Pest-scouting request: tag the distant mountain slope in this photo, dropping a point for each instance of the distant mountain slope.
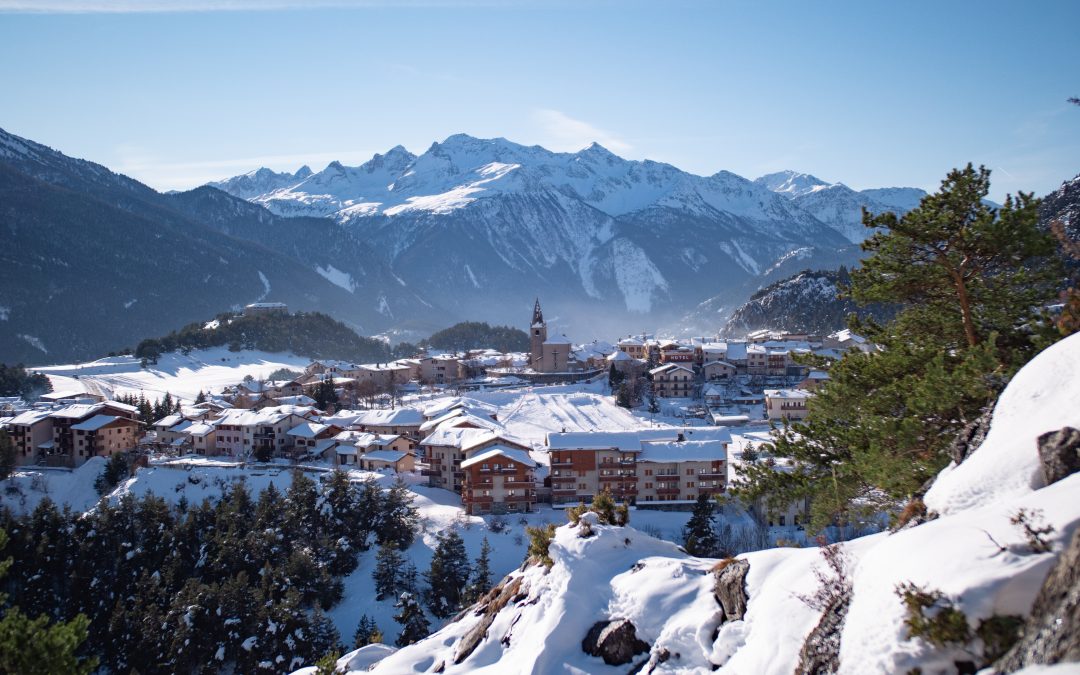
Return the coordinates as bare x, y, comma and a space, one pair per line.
807, 302
94, 259
837, 205
606, 240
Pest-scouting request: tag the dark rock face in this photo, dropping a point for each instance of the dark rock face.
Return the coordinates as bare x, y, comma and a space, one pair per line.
1052, 632
488, 607
820, 653
1059, 454
730, 589
972, 436
615, 641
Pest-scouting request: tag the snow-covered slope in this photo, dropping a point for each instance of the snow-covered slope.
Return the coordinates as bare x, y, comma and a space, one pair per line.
837, 205
590, 230
537, 620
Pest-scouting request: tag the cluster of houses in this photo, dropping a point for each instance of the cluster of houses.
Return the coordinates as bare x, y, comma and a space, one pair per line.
66, 430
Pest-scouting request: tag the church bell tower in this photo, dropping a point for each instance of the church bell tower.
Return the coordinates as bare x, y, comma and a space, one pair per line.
537, 337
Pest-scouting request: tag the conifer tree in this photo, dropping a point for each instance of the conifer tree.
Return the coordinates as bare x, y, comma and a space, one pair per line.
700, 532
414, 625
969, 281
36, 646
389, 567
448, 575
481, 575
367, 632
399, 519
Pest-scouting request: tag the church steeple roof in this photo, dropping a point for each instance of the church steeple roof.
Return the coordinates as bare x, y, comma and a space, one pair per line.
538, 314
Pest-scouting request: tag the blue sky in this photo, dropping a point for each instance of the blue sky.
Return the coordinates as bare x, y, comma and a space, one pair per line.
867, 93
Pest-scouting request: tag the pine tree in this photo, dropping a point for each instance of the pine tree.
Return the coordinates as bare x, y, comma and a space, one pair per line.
481, 576
414, 625
36, 646
969, 281
201, 398
700, 532
388, 569
448, 575
115, 471
367, 632
399, 519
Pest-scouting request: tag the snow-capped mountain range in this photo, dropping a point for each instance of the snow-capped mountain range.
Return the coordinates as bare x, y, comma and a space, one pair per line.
479, 224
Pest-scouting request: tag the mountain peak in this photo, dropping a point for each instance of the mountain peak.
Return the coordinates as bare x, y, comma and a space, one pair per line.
792, 183
303, 172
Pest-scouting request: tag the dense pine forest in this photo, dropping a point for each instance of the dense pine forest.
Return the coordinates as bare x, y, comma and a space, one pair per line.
237, 583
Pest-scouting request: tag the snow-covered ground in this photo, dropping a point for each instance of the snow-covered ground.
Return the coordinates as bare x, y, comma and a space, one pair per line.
175, 373
624, 573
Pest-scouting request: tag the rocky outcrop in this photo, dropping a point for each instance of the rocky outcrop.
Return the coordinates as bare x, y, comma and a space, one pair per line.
1059, 454
615, 641
1052, 632
820, 653
487, 608
730, 588
971, 436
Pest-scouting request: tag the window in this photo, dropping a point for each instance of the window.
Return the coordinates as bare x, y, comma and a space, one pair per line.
648, 472
689, 472
690, 484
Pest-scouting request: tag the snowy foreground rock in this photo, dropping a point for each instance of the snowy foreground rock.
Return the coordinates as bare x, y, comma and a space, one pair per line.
537, 619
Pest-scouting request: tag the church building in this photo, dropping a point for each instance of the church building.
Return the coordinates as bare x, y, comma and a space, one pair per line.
547, 355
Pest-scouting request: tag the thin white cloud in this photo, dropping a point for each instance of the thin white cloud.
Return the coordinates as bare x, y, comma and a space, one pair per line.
145, 166
161, 6
563, 133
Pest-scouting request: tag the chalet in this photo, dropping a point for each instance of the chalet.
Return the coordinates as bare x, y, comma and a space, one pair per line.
397, 461
625, 364
241, 433
498, 479
403, 421
312, 438
672, 380
348, 447
634, 347
202, 438
786, 404
445, 448
719, 370
813, 380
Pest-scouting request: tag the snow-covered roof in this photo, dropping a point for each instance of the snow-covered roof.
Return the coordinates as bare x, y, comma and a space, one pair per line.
620, 356
389, 456
487, 454
669, 368
558, 340
168, 421
475, 440
29, 417
453, 436
684, 451
724, 364
634, 440
307, 430
788, 393
395, 417
299, 400
199, 429
96, 422
736, 351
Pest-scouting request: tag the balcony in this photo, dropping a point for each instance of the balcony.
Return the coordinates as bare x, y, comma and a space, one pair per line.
479, 500
522, 483
518, 499
667, 490
564, 491
564, 479
713, 475
711, 490
430, 472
